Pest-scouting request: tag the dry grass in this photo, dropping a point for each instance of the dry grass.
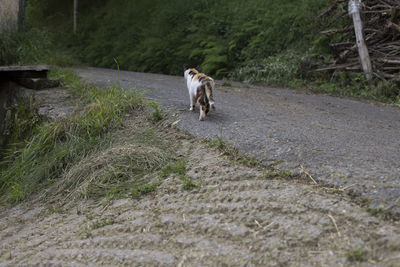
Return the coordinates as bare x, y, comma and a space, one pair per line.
114, 170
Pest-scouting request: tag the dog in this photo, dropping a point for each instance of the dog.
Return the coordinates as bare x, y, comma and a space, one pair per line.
201, 89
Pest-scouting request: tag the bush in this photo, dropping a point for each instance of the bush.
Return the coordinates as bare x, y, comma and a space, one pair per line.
33, 46
164, 35
282, 69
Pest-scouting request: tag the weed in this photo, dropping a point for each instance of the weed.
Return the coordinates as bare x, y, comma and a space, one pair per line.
334, 190
20, 122
56, 209
357, 254
102, 223
379, 211
218, 143
188, 183
178, 167
226, 149
113, 193
142, 189
279, 174
249, 161
158, 113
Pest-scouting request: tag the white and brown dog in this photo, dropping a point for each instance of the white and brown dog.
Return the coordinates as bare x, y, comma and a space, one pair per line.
200, 88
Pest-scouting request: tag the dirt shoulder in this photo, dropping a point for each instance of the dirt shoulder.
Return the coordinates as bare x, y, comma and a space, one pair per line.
343, 143
238, 216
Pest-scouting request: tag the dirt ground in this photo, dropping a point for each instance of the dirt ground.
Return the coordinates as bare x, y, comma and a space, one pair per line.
239, 216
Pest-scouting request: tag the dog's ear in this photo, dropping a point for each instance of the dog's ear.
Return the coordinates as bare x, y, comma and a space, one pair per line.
185, 67
197, 67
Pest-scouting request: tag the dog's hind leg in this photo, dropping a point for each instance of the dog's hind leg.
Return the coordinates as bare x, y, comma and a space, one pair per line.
202, 113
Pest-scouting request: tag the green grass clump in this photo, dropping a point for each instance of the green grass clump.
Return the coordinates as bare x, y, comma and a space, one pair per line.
379, 211
281, 70
179, 168
56, 146
144, 188
356, 255
158, 113
101, 223
21, 119
187, 182
278, 174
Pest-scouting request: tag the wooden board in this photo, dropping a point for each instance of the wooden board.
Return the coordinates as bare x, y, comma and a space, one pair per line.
17, 72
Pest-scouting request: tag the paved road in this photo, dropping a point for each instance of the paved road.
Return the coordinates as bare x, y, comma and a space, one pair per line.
342, 142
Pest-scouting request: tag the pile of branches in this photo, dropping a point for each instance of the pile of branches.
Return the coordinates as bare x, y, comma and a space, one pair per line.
381, 20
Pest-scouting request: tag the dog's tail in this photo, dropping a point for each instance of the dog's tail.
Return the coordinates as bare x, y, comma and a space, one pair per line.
209, 86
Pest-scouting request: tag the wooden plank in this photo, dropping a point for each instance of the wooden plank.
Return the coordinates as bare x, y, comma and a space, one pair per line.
24, 68
13, 75
18, 72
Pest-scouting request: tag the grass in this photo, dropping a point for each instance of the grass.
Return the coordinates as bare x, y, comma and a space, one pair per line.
279, 174
380, 211
21, 120
56, 146
232, 153
141, 189
158, 113
357, 254
101, 223
179, 168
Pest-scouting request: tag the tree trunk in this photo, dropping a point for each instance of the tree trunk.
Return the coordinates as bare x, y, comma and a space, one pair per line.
75, 15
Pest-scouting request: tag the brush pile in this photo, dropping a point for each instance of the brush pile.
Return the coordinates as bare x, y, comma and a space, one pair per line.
381, 20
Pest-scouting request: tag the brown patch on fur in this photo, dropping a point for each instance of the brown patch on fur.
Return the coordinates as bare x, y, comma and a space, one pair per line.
202, 98
193, 71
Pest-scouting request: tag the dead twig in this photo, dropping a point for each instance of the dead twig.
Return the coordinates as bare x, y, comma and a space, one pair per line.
334, 223
308, 174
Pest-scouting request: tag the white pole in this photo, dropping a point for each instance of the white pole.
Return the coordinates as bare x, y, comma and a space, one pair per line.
354, 11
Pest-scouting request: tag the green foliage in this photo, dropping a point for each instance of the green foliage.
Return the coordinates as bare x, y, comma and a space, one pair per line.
356, 85
20, 121
158, 113
273, 174
33, 46
101, 223
356, 255
379, 211
143, 189
280, 69
179, 168
268, 41
57, 145
187, 182
161, 36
